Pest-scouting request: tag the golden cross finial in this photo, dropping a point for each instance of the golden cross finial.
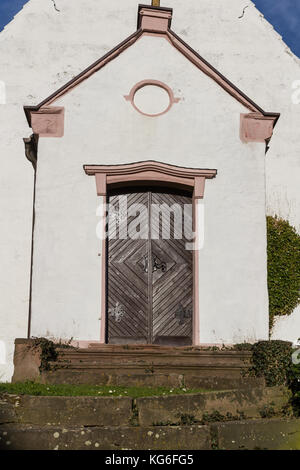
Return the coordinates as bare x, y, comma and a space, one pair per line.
156, 3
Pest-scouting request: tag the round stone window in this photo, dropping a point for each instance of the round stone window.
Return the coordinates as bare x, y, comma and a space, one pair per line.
151, 98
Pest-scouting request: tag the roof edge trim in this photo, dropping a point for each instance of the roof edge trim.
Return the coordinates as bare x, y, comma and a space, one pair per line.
95, 66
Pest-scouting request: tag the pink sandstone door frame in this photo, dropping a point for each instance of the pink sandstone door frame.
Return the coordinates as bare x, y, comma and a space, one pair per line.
111, 176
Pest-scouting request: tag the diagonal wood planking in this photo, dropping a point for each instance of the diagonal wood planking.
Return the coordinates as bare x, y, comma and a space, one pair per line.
173, 290
127, 288
144, 306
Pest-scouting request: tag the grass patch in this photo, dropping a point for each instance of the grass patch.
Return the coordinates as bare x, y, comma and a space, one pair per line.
36, 389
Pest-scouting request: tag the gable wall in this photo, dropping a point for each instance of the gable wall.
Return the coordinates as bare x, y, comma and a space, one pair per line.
50, 47
200, 131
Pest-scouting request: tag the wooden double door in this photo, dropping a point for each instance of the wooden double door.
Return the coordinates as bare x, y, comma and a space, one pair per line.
149, 268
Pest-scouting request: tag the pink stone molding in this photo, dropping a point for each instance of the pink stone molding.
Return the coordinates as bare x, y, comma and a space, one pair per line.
196, 309
84, 75
144, 173
101, 185
157, 83
156, 21
48, 122
255, 127
199, 187
103, 275
150, 172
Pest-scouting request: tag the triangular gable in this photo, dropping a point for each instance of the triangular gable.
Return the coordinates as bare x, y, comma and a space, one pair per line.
255, 126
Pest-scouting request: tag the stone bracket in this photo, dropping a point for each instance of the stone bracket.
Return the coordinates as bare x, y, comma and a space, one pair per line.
48, 121
255, 127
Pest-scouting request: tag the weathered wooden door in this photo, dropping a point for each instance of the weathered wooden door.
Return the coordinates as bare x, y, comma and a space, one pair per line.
149, 269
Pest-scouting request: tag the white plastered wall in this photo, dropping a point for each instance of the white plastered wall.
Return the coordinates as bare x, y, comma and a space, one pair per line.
202, 131
41, 49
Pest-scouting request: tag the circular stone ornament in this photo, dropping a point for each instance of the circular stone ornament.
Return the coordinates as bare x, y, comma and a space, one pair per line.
151, 98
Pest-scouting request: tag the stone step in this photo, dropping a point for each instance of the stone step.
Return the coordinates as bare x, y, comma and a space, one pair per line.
148, 411
192, 380
202, 369
249, 402
133, 367
25, 437
208, 363
57, 410
146, 364
160, 354
156, 348
105, 363
150, 423
264, 434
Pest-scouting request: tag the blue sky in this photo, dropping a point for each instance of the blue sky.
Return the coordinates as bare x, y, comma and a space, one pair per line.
8, 9
284, 15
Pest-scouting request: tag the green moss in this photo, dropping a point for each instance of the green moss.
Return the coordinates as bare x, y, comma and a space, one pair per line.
294, 384
32, 388
271, 360
187, 419
207, 418
242, 347
48, 350
283, 267
216, 416
134, 420
267, 411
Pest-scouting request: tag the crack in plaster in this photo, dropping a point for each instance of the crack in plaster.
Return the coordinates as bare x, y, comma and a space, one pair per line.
243, 14
54, 4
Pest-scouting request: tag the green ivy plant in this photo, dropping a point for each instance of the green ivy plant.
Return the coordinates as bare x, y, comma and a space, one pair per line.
48, 350
271, 360
294, 385
283, 267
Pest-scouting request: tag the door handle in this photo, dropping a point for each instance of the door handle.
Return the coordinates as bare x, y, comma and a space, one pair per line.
156, 264
145, 264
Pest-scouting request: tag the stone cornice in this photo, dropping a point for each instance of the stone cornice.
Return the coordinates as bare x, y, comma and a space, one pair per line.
150, 172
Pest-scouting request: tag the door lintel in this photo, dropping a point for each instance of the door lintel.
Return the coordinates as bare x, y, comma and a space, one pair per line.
150, 171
